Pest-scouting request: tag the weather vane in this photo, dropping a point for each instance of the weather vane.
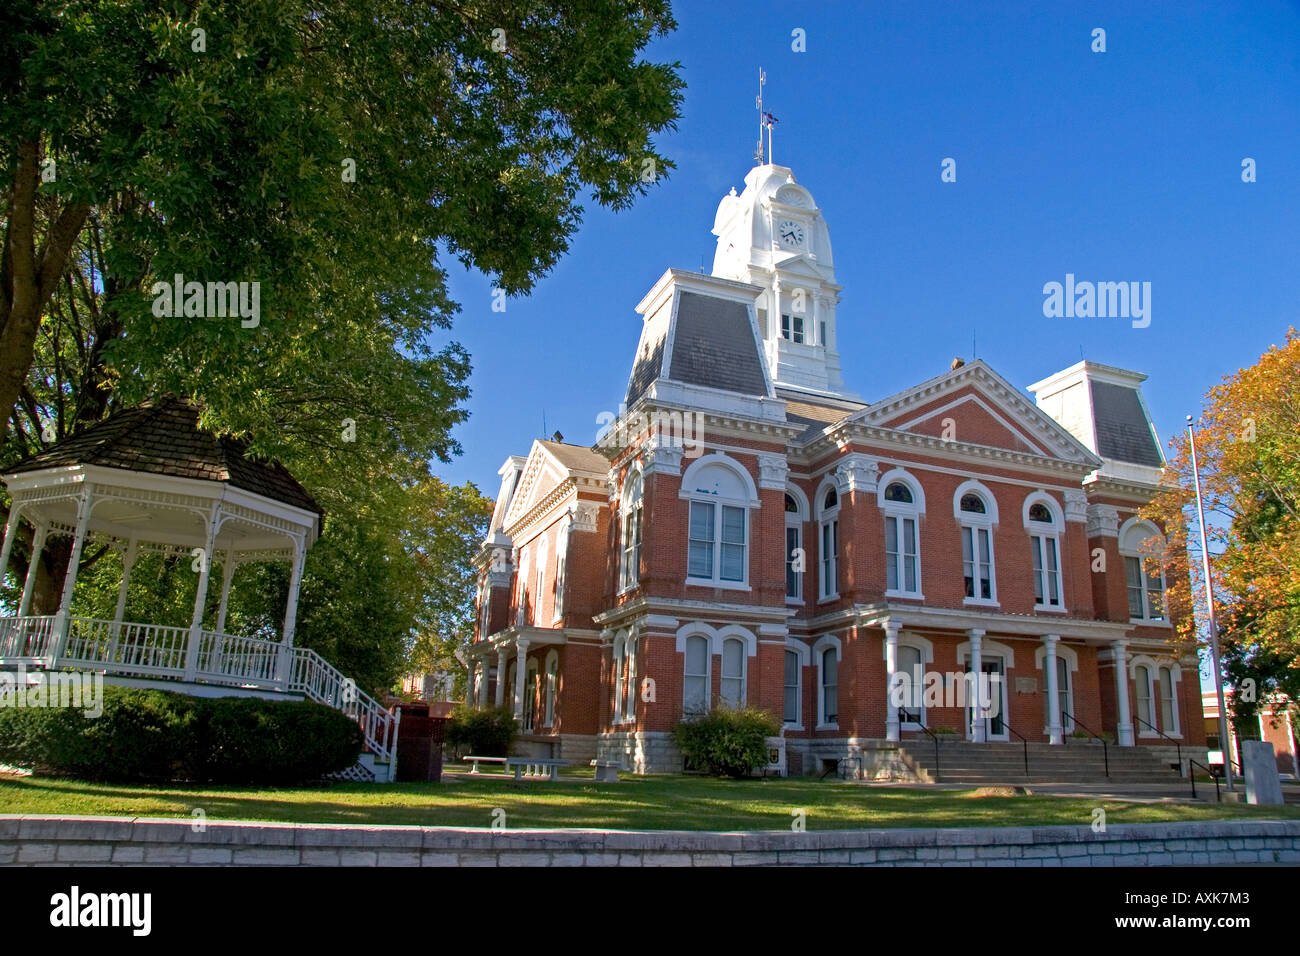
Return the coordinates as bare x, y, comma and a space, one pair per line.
764, 120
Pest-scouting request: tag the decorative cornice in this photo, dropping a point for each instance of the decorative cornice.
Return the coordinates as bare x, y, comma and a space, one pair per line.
1103, 520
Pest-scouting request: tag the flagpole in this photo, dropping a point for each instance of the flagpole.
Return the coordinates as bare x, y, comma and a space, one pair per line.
1225, 742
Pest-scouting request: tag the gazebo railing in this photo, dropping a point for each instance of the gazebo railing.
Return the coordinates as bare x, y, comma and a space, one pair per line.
26, 638
158, 650
319, 680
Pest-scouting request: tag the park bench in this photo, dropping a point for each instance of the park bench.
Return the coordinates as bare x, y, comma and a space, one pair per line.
607, 770
478, 760
536, 767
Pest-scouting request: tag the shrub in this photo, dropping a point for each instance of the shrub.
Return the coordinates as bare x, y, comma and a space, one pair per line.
483, 733
158, 736
727, 742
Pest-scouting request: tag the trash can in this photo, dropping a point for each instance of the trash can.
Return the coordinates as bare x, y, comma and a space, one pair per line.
419, 744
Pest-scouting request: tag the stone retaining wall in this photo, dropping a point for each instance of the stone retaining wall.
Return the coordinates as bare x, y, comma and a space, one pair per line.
125, 840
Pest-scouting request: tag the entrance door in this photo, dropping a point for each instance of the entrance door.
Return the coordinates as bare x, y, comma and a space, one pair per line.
995, 728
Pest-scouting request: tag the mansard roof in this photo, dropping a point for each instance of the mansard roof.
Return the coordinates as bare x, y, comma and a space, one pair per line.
164, 438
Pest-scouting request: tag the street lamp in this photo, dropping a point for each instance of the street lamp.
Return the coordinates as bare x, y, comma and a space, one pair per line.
1225, 742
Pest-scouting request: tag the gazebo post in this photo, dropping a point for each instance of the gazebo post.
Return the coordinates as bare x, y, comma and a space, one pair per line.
227, 574
63, 623
201, 596
11, 534
291, 613
128, 562
29, 586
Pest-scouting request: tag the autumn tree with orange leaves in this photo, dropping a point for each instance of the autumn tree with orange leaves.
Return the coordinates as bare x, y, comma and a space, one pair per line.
1248, 443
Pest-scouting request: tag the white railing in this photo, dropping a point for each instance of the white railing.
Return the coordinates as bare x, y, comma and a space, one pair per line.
245, 659
157, 650
153, 650
317, 679
26, 638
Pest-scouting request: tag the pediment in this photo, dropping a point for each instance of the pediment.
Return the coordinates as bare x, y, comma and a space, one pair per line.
976, 406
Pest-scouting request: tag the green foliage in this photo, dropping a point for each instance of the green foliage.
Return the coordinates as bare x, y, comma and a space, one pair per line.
484, 733
153, 736
728, 742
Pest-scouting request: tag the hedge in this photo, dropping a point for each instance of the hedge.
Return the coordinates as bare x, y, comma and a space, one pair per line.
483, 733
159, 736
728, 742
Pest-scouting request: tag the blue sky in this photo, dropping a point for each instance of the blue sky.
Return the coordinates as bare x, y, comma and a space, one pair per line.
1115, 166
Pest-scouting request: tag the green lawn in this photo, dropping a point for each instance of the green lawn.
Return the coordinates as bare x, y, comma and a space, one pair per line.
654, 803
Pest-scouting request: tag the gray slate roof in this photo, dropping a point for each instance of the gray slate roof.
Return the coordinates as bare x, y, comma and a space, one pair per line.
164, 438
714, 346
1123, 432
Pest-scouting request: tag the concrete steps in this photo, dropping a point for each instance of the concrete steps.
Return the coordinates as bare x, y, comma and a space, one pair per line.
999, 763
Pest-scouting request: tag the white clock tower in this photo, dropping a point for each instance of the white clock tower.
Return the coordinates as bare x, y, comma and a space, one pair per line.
773, 235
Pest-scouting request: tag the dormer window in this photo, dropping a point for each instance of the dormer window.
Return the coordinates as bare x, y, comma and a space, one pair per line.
792, 328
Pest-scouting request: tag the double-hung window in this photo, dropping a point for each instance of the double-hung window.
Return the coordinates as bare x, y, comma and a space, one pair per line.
630, 568
1045, 552
1141, 546
977, 548
718, 541
902, 556
829, 545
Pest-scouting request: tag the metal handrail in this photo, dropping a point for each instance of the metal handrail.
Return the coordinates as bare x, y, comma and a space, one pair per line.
1167, 737
907, 714
1105, 747
1024, 740
1218, 795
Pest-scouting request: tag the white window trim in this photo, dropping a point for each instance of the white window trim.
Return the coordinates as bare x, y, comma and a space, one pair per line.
551, 690
744, 666
748, 503
522, 599
531, 674
897, 509
796, 520
796, 646
620, 682
1175, 685
823, 644
1071, 658
561, 568
978, 522
684, 634
1153, 687
539, 587
926, 647
827, 516
1055, 531
629, 578
1143, 557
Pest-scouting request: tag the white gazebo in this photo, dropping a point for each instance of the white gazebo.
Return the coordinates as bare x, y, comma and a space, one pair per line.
150, 479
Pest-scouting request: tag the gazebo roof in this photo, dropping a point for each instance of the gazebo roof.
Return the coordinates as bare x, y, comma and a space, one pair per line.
164, 438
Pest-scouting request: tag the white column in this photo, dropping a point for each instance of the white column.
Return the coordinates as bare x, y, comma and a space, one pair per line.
295, 586
1119, 656
521, 675
29, 586
64, 620
1053, 691
891, 665
11, 535
128, 562
471, 690
227, 575
500, 697
201, 595
483, 683
976, 636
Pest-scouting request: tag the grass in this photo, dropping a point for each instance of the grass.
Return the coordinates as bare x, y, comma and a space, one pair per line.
646, 803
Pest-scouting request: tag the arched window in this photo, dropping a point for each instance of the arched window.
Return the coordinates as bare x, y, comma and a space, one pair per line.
530, 695
902, 503
909, 665
629, 710
539, 588
521, 604
1043, 522
1168, 701
620, 675
1142, 678
1141, 545
793, 688
830, 702
976, 513
732, 691
720, 493
829, 543
561, 562
484, 605
795, 561
552, 680
630, 570
695, 686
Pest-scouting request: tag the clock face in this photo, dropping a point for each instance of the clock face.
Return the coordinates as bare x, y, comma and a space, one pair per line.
791, 234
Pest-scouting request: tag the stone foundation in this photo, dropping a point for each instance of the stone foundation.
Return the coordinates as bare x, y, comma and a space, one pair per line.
858, 758
643, 753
